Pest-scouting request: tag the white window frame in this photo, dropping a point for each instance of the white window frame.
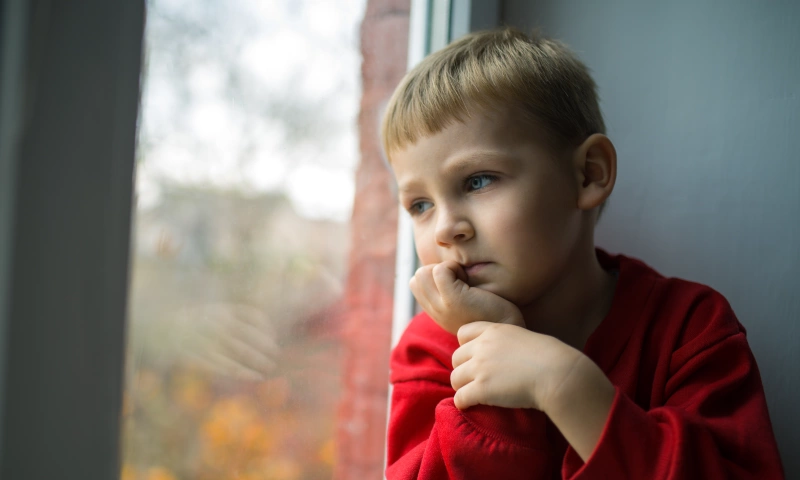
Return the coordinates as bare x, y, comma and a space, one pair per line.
433, 24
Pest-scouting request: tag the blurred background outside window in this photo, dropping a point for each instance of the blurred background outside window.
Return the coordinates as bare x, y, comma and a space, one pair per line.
244, 188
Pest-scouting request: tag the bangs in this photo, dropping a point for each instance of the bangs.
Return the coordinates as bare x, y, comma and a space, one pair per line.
487, 71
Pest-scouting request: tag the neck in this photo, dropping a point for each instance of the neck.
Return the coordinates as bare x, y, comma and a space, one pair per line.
573, 308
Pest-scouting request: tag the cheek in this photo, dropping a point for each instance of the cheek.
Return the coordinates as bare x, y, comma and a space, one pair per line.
539, 224
426, 248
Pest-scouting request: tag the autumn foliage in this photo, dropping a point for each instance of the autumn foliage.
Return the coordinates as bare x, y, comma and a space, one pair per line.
234, 352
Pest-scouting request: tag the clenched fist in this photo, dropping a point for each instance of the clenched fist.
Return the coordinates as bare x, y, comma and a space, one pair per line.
442, 291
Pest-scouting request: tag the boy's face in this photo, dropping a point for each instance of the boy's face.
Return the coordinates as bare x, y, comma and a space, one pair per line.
488, 195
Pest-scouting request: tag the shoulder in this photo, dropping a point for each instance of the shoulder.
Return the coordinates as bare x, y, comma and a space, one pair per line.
704, 321
686, 314
424, 352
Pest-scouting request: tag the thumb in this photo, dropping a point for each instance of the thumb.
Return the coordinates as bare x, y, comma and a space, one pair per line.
502, 310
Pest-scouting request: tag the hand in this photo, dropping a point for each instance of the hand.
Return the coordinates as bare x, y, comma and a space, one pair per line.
512, 367
442, 291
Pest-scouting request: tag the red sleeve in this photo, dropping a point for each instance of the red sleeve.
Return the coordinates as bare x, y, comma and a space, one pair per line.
429, 438
714, 423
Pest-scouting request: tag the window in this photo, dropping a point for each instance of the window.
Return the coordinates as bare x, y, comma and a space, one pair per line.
197, 304
245, 181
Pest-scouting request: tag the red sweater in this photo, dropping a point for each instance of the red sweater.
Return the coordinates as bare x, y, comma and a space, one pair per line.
689, 402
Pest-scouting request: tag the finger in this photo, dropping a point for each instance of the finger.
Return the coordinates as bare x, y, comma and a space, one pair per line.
415, 288
446, 277
471, 331
427, 286
419, 295
443, 279
424, 275
467, 396
462, 355
461, 274
456, 268
461, 376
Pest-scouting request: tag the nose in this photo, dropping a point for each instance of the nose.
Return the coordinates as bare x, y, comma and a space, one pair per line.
452, 227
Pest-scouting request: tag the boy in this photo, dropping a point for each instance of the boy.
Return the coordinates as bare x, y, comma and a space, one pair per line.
537, 355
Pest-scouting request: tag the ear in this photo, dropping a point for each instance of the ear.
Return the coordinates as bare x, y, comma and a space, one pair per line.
595, 163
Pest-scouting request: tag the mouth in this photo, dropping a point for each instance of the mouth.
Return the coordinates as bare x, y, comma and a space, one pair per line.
472, 269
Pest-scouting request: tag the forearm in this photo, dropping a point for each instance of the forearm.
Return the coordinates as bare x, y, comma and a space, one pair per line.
485, 442
581, 406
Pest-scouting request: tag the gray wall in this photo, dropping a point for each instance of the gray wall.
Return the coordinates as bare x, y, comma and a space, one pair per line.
702, 100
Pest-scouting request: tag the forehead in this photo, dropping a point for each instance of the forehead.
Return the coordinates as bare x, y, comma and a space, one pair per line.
481, 137
479, 130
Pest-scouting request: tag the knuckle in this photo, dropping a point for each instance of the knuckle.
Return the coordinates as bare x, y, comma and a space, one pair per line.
479, 387
495, 331
479, 361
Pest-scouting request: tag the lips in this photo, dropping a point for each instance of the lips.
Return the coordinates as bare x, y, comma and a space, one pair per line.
472, 269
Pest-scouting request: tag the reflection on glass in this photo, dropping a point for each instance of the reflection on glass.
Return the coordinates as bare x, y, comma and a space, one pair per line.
244, 188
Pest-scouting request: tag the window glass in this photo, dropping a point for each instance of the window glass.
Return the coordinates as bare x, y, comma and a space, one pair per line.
244, 186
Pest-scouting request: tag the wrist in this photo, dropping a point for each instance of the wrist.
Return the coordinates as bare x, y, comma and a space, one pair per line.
580, 407
582, 380
513, 317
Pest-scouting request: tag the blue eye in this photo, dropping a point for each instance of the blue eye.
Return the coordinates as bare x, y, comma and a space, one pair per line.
479, 181
419, 207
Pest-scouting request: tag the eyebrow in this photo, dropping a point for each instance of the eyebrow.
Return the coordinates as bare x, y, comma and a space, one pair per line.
458, 164
466, 162
407, 187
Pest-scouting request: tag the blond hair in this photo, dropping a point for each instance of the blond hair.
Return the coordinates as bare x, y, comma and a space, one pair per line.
490, 70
